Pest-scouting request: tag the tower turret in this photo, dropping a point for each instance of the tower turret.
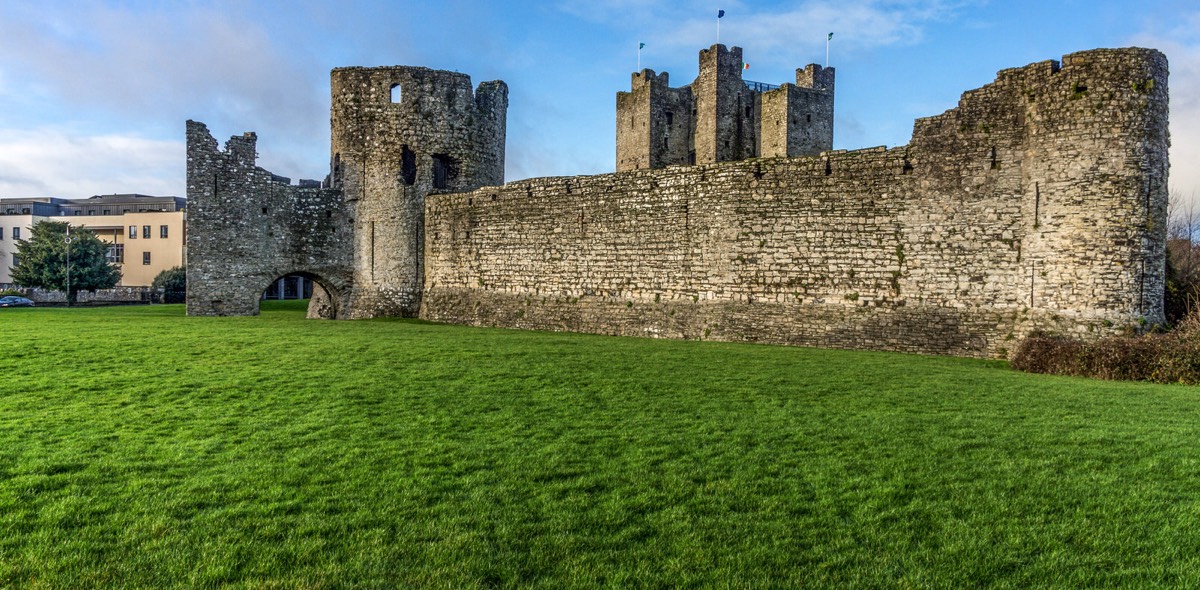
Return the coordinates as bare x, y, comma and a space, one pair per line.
797, 120
399, 133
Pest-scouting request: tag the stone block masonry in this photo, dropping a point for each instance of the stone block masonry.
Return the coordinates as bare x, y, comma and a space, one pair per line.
1039, 203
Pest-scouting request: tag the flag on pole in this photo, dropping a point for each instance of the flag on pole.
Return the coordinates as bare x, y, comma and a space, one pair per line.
830, 37
720, 13
641, 45
745, 66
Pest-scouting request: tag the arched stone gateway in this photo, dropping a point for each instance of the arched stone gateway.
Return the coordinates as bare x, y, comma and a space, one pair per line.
325, 300
249, 227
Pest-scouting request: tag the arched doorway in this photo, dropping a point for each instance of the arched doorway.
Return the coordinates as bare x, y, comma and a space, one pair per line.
323, 299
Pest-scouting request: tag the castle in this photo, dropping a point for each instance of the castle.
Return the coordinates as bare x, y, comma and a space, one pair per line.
720, 117
1038, 203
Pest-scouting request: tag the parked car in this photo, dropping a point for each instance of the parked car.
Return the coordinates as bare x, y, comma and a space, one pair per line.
14, 301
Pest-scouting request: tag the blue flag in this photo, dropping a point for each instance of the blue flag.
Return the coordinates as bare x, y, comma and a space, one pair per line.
720, 13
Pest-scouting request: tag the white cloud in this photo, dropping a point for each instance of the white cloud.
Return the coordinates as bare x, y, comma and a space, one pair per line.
1182, 47
150, 63
110, 75
48, 162
784, 34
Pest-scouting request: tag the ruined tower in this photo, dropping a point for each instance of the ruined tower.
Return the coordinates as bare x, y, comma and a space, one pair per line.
721, 117
398, 134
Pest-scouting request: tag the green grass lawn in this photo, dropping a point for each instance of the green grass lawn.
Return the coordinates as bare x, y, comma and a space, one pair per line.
140, 448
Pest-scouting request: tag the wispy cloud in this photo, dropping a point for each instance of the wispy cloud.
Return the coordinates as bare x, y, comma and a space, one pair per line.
1182, 46
780, 33
49, 162
155, 64
119, 74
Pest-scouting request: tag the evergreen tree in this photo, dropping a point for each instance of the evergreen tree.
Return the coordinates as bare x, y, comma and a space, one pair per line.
41, 260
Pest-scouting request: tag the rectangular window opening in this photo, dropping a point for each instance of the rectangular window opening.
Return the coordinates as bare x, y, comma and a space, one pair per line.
444, 171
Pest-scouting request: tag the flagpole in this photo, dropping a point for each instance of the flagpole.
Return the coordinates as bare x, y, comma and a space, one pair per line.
639, 57
827, 40
718, 30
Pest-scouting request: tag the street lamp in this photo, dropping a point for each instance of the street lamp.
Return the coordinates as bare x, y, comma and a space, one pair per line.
67, 240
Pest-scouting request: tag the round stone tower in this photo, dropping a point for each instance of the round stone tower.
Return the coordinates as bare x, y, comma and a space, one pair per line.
398, 134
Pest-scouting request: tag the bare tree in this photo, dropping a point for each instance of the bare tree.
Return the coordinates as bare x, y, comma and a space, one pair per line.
1183, 256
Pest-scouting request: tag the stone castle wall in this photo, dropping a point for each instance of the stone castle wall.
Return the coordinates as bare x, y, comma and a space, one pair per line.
1038, 203
248, 227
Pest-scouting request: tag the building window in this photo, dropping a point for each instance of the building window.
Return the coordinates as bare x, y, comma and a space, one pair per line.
146, 232
78, 212
25, 211
16, 233
107, 212
396, 93
146, 258
162, 231
91, 211
116, 254
1, 233
16, 260
133, 232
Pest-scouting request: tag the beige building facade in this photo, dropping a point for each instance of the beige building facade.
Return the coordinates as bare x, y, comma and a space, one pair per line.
147, 235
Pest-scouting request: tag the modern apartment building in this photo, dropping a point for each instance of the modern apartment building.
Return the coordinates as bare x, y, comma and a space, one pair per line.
146, 235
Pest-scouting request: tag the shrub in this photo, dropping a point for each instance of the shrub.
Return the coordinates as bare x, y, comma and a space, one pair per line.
1173, 357
173, 283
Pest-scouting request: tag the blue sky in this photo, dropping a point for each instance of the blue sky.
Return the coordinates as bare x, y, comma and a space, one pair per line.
94, 95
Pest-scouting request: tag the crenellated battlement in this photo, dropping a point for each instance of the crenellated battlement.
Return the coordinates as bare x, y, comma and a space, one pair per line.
815, 77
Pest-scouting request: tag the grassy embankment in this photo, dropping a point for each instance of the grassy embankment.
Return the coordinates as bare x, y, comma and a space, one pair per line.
140, 448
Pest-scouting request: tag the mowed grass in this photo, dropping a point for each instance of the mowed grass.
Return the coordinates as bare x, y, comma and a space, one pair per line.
140, 448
